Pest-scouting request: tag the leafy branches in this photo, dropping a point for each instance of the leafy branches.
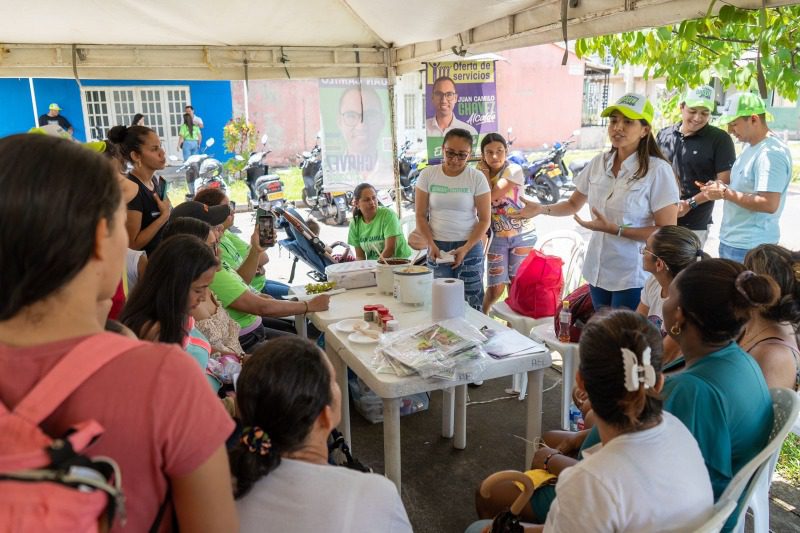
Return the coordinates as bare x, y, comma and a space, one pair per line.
746, 49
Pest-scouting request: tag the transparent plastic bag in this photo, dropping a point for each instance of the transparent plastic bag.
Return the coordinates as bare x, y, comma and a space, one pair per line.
370, 405
450, 349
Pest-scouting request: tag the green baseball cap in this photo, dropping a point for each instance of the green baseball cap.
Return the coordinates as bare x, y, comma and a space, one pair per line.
702, 96
54, 107
632, 105
741, 105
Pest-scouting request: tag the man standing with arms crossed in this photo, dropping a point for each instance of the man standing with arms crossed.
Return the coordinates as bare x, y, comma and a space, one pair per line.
699, 152
759, 180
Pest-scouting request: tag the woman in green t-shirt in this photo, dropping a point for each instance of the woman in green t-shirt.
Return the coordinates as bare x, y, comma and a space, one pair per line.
190, 137
375, 231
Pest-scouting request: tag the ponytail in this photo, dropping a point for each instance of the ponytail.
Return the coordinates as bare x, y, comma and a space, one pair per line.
620, 362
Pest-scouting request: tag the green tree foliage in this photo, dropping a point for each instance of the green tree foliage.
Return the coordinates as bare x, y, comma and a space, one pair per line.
747, 49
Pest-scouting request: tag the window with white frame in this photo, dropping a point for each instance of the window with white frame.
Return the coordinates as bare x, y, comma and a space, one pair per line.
162, 108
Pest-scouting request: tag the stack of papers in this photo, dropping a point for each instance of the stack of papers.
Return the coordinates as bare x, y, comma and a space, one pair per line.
510, 343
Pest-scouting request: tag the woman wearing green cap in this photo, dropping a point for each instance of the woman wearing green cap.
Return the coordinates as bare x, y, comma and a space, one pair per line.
632, 192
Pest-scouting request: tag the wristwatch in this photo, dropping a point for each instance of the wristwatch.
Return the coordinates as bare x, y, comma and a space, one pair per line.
692, 202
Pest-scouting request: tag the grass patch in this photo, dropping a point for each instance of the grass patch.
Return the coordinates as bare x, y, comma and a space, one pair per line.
789, 460
237, 190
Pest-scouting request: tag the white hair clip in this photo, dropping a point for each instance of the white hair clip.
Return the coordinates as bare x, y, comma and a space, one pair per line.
636, 374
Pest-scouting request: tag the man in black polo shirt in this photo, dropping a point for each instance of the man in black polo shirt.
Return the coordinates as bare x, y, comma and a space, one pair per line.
54, 116
698, 152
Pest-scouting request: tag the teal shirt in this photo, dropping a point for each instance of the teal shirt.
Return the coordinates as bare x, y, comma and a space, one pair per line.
765, 167
724, 402
372, 237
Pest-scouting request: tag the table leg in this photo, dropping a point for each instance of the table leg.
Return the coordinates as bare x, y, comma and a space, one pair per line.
391, 439
534, 407
448, 405
300, 326
460, 441
568, 381
341, 378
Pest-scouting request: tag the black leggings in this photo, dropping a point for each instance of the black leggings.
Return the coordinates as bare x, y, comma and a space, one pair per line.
270, 328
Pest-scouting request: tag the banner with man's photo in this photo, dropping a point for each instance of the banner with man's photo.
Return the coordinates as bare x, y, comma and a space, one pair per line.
356, 134
459, 94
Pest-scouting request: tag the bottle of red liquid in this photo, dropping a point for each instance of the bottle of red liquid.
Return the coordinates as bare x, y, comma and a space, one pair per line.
564, 320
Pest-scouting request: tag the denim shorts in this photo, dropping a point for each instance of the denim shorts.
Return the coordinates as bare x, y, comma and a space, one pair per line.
731, 252
505, 256
470, 271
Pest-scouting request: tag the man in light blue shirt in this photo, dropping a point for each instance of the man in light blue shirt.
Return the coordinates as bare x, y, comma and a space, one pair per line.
759, 180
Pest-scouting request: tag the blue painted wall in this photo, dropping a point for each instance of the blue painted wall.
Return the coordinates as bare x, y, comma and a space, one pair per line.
211, 100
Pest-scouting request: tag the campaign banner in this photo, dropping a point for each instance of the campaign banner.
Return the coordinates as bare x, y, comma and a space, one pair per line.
356, 134
459, 94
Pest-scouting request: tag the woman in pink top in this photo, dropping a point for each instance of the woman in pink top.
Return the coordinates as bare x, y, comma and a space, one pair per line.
62, 247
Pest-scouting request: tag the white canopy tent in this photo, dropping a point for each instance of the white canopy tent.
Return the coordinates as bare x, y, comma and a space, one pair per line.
238, 39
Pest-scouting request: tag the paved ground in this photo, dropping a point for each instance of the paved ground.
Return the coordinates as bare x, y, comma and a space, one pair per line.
439, 481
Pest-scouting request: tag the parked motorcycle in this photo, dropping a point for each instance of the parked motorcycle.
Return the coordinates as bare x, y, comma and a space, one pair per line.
546, 177
203, 172
265, 189
407, 162
325, 204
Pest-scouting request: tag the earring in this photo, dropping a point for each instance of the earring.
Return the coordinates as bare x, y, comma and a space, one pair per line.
675, 330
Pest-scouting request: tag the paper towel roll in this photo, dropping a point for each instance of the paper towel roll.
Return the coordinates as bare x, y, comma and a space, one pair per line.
447, 300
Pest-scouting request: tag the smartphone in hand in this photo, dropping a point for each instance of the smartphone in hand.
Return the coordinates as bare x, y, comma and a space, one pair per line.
162, 188
265, 220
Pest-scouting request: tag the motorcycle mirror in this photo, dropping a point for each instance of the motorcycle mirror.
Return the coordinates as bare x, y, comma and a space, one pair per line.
173, 158
576, 133
264, 139
319, 134
238, 157
210, 142
545, 146
508, 131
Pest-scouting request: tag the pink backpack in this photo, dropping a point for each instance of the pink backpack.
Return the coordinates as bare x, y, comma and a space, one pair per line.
45, 483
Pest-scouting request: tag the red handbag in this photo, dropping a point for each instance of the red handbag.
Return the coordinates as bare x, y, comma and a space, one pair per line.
537, 285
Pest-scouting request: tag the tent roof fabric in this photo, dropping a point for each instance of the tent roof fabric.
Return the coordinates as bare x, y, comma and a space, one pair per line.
206, 39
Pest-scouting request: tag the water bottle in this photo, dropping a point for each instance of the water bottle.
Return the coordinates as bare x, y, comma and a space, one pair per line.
564, 320
574, 416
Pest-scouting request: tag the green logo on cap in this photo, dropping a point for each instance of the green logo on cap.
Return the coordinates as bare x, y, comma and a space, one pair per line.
629, 99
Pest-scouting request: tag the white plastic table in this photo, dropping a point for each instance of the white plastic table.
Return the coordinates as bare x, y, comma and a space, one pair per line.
350, 304
570, 356
392, 388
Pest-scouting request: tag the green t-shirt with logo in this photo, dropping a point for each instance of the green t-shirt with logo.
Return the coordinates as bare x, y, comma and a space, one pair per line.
228, 285
233, 251
371, 237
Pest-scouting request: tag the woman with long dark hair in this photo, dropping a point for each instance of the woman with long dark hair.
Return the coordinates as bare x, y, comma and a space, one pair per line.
512, 239
147, 212
189, 136
632, 191
289, 402
61, 254
175, 282
375, 230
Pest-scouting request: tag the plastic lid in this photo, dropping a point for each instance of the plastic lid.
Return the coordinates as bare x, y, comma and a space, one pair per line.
565, 304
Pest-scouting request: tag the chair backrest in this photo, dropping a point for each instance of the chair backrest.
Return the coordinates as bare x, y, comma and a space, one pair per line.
571, 248
785, 407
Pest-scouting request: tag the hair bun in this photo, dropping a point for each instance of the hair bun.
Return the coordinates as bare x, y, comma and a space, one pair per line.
117, 134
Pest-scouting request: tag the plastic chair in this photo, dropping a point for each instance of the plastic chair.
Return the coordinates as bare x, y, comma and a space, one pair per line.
407, 224
722, 510
570, 247
751, 483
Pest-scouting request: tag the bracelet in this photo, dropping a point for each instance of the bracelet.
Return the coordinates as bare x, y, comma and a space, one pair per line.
547, 210
306, 311
620, 227
547, 460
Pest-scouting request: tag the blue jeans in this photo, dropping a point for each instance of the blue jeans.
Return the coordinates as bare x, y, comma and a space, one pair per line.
190, 148
505, 256
629, 298
729, 252
470, 271
276, 289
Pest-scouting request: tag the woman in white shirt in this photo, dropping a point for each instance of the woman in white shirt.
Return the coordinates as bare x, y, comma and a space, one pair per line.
632, 191
289, 402
453, 203
641, 445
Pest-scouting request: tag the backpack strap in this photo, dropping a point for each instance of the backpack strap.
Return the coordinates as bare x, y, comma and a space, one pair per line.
80, 363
